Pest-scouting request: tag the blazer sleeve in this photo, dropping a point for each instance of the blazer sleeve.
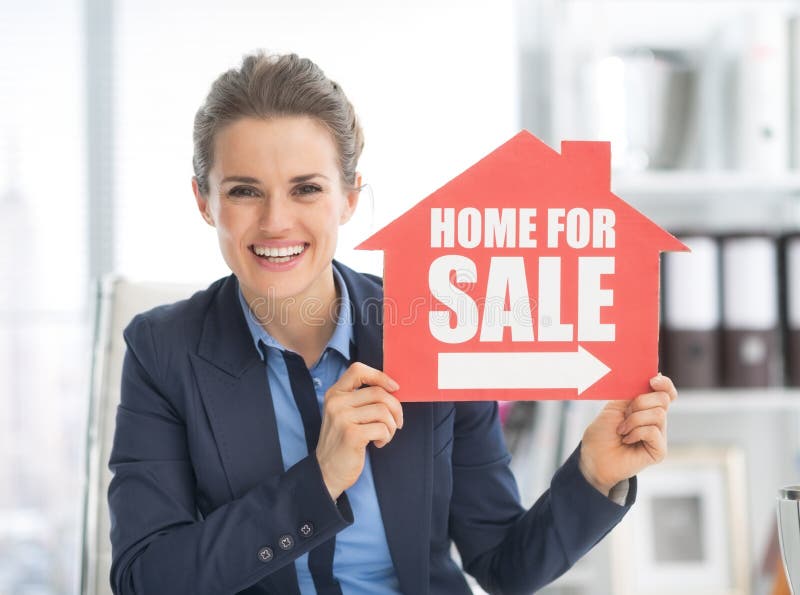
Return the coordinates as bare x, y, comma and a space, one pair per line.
507, 549
160, 542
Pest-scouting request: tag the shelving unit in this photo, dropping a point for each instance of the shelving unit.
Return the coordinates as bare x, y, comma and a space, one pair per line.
698, 182
738, 400
557, 37
724, 400
720, 200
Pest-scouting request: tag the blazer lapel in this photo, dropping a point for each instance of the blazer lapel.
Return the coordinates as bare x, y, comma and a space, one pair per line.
402, 469
233, 385
232, 381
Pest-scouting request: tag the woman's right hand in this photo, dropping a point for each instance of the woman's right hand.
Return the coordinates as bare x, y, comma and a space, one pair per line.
353, 416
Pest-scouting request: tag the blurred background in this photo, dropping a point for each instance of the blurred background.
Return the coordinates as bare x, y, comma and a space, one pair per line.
700, 100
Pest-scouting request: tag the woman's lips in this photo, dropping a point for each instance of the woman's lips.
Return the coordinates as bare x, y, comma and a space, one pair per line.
284, 257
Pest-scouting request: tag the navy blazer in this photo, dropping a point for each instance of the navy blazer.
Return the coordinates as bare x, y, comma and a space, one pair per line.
199, 498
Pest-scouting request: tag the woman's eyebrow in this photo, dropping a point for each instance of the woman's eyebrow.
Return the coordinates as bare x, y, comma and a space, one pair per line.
250, 180
306, 178
241, 179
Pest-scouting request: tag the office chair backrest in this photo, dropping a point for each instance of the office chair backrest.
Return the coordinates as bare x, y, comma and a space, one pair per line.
117, 301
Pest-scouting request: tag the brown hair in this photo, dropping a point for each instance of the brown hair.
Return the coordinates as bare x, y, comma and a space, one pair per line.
267, 86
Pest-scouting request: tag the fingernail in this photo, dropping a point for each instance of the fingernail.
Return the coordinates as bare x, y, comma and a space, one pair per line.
393, 385
621, 428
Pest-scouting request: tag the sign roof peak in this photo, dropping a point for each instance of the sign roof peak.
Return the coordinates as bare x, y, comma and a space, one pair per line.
582, 167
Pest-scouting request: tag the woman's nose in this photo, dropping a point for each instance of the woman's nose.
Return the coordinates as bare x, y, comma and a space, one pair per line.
275, 215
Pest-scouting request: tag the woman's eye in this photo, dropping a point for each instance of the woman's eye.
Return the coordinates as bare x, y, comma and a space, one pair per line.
307, 189
244, 191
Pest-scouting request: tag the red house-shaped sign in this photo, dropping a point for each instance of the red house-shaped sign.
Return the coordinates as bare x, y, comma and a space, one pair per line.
524, 277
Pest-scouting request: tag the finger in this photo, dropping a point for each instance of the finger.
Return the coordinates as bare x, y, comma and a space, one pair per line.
376, 394
652, 438
358, 374
377, 412
648, 401
617, 405
375, 432
664, 384
342, 408
656, 416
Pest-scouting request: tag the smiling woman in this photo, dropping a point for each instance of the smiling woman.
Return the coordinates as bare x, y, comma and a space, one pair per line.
249, 450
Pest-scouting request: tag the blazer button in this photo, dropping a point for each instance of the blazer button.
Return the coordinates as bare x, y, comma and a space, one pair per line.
286, 542
306, 529
265, 554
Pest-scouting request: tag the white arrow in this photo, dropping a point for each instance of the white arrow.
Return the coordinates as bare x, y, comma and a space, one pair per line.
564, 369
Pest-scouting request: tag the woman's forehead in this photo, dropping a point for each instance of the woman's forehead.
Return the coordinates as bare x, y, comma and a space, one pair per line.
287, 146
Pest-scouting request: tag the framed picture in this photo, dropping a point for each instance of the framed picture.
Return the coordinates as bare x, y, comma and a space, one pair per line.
687, 531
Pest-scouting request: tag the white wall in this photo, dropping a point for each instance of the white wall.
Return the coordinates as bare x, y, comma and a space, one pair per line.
434, 82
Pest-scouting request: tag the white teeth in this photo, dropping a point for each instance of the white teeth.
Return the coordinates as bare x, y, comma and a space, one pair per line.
279, 252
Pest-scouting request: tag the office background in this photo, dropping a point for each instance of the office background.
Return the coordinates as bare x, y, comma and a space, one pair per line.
97, 99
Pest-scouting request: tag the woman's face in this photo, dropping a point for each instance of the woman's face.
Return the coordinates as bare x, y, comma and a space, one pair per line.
276, 199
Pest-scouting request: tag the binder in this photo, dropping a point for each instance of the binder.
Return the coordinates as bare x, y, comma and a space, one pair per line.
791, 280
763, 94
794, 90
750, 314
692, 313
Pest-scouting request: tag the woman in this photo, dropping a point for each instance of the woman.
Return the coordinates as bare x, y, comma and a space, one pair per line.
259, 447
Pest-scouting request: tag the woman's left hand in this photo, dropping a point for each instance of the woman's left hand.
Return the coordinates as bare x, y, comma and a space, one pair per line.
627, 436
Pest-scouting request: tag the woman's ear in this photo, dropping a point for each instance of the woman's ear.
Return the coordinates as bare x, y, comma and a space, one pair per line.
351, 200
202, 203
